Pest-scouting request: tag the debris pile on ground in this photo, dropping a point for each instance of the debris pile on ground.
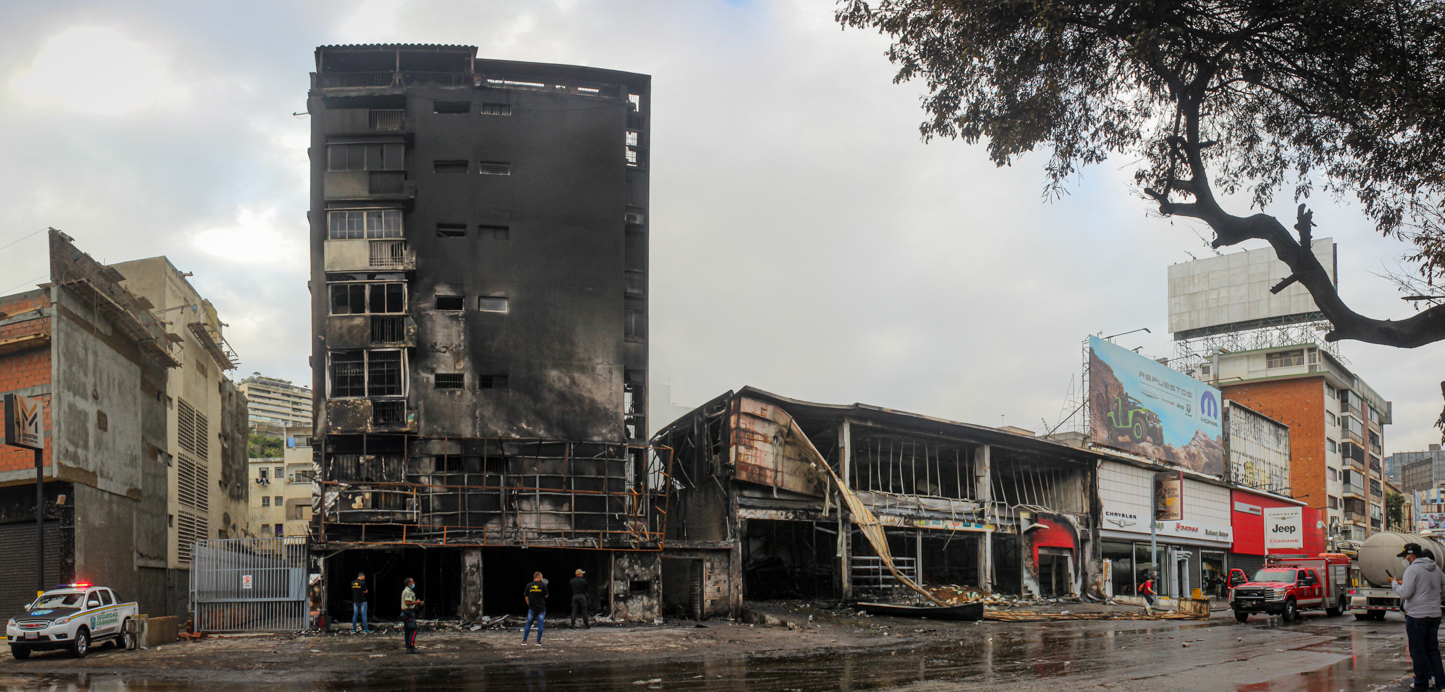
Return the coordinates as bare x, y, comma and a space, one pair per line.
1035, 616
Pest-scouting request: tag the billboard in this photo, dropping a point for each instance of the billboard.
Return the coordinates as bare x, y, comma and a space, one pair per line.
1231, 292
1256, 449
1283, 528
1168, 497
1139, 406
24, 421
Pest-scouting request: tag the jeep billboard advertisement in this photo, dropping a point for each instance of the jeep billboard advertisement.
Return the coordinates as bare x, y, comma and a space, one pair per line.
1139, 406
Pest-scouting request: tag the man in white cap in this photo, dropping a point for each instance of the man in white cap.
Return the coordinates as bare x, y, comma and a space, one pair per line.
579, 599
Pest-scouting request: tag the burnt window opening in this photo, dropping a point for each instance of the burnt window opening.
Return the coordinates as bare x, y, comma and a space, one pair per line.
357, 374
495, 109
383, 373
364, 298
492, 304
386, 183
102, 421
635, 281
636, 586
634, 323
348, 374
451, 107
451, 303
388, 330
492, 382
388, 412
386, 119
494, 232
494, 168
451, 230
366, 157
450, 380
363, 224
636, 216
449, 166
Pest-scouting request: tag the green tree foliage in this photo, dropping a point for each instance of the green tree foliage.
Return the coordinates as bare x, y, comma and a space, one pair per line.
264, 446
1213, 98
1395, 512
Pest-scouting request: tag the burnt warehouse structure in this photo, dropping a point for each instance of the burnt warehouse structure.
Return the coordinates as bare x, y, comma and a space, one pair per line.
479, 237
756, 516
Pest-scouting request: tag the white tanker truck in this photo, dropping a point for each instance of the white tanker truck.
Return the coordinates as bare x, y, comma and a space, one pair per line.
1371, 597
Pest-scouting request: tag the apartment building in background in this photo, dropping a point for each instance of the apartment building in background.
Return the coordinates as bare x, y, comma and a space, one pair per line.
281, 488
274, 404
479, 235
1336, 428
1419, 470
145, 436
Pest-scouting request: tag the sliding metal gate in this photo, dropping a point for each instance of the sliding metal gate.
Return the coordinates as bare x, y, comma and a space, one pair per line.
249, 585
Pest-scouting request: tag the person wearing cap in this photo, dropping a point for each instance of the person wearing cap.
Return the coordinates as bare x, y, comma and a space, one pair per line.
579, 599
1422, 588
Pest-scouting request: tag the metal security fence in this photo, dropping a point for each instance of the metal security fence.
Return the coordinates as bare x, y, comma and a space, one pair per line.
249, 585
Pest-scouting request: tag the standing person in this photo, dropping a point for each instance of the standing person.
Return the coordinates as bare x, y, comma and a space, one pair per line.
358, 602
1422, 587
579, 599
1147, 591
535, 594
409, 604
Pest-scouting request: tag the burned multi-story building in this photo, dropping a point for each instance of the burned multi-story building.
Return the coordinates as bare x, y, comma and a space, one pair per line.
479, 234
756, 515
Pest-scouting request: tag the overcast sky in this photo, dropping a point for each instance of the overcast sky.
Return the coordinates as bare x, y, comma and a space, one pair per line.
804, 239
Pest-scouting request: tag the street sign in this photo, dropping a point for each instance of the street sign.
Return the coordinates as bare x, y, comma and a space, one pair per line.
24, 421
245, 581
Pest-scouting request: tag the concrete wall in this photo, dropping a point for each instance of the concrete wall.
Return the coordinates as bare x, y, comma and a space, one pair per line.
643, 570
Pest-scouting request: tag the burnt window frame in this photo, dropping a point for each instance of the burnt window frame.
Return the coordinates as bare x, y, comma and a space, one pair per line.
451, 230
371, 223
461, 302
370, 364
449, 381
497, 109
496, 381
506, 305
365, 156
451, 107
367, 297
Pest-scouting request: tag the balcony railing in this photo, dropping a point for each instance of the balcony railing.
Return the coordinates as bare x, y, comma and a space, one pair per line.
1354, 517
353, 80
388, 254
1352, 488
386, 119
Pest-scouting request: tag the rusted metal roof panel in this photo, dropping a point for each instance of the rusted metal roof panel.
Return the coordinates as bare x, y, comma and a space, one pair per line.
764, 451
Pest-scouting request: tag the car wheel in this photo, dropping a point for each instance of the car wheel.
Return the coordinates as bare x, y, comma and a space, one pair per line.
1241, 617
81, 646
127, 638
20, 652
1291, 611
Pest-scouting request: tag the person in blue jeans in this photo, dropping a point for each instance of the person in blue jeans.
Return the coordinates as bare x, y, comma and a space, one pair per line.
535, 595
1422, 587
358, 602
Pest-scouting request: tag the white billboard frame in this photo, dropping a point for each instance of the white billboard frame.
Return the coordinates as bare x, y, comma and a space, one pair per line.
1232, 292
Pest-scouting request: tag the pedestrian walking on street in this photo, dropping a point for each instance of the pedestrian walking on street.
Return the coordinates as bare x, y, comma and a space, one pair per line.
1422, 587
1147, 591
579, 599
409, 604
535, 594
358, 602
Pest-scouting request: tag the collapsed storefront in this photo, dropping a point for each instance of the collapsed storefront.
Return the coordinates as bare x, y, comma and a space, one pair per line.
752, 515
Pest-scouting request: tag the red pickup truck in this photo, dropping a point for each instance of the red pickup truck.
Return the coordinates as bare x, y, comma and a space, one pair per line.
1289, 585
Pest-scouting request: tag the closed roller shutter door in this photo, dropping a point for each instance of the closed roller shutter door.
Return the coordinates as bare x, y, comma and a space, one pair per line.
17, 566
1249, 563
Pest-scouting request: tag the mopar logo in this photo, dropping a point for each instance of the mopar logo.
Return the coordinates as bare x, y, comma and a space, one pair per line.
1283, 529
1208, 406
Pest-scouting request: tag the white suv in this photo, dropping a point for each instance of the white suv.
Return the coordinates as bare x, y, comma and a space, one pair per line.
72, 616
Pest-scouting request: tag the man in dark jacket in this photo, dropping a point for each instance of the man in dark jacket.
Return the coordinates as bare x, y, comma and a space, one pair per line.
1422, 587
535, 594
579, 599
358, 602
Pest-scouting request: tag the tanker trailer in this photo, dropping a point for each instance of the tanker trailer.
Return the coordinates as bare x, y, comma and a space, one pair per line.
1372, 596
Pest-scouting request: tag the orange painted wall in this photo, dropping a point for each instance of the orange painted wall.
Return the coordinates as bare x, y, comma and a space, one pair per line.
1300, 404
22, 369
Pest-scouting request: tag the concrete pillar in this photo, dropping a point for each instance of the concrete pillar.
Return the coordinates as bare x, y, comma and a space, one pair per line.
845, 521
471, 584
983, 493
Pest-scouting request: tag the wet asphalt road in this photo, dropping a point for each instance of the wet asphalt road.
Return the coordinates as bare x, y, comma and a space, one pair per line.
1318, 654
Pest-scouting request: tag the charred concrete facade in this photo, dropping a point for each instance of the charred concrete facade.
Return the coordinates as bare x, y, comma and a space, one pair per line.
753, 518
479, 234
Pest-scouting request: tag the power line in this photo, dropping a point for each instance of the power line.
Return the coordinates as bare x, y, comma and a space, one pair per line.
22, 283
2, 247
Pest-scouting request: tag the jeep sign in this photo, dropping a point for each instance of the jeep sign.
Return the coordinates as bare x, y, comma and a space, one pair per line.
1283, 528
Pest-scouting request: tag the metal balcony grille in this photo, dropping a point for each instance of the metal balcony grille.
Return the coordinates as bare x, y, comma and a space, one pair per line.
387, 183
388, 330
387, 119
388, 254
388, 412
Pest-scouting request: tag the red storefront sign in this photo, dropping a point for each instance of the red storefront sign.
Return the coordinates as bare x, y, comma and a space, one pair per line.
1247, 519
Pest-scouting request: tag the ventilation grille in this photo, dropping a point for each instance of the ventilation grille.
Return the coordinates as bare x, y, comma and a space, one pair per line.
494, 168
192, 483
495, 109
189, 529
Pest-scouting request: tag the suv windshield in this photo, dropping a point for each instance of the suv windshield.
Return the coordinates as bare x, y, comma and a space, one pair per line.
58, 600
1284, 575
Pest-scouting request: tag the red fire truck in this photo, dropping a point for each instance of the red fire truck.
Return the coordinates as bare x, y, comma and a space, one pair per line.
1291, 584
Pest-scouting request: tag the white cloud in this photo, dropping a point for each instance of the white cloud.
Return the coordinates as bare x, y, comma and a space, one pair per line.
97, 71
254, 237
